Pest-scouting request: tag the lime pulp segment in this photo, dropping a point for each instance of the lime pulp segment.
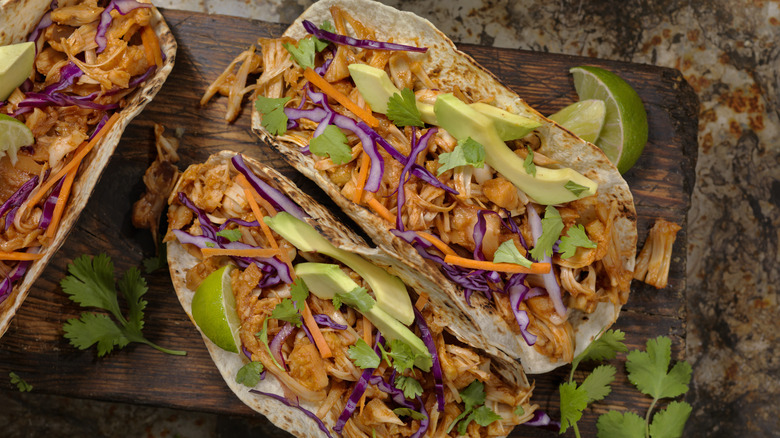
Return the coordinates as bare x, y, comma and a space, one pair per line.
13, 135
584, 118
214, 310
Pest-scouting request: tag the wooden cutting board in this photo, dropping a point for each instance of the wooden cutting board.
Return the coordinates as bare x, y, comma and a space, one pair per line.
34, 346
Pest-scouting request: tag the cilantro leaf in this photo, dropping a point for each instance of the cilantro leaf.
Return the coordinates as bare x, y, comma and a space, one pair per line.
507, 252
299, 292
573, 402
406, 412
606, 347
615, 424
467, 152
528, 163
552, 225
160, 261
409, 385
250, 374
402, 109
648, 370
596, 385
363, 355
304, 52
286, 311
670, 422
574, 238
91, 284
331, 143
473, 395
272, 110
574, 187
358, 298
231, 235
402, 355
262, 336
519, 410
483, 416
19, 382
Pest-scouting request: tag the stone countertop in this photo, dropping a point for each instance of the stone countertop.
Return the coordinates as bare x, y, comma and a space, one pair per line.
729, 52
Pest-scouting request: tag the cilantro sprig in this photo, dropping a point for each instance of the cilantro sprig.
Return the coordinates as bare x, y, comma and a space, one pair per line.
363, 355
272, 110
552, 225
91, 284
250, 374
507, 252
402, 109
574, 238
331, 143
358, 298
528, 163
20, 383
467, 152
473, 397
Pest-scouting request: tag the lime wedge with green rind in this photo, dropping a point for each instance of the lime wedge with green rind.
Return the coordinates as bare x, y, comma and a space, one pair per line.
214, 310
13, 135
624, 134
584, 118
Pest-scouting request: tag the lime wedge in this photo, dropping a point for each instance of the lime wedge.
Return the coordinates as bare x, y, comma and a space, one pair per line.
584, 118
13, 135
624, 134
214, 310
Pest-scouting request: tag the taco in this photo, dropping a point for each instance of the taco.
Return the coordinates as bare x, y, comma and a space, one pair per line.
96, 65
523, 230
320, 314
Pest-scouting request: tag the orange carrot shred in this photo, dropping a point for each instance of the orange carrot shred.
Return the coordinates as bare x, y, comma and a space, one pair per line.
340, 97
249, 194
248, 252
536, 268
59, 207
316, 334
367, 328
73, 163
422, 300
380, 210
438, 243
365, 163
22, 256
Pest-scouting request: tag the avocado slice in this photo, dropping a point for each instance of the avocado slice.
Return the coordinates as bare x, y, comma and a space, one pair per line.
547, 187
16, 63
325, 280
509, 126
390, 291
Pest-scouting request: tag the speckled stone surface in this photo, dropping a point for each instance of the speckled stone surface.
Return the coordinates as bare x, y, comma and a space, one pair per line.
729, 51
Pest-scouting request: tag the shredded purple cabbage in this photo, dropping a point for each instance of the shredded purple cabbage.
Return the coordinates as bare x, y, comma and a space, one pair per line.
7, 285
550, 282
276, 343
541, 419
354, 42
49, 204
44, 22
418, 146
19, 196
325, 320
272, 195
517, 294
121, 6
427, 338
354, 398
425, 422
307, 412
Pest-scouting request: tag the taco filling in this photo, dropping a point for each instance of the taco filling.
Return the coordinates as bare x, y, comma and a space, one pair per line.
311, 318
89, 57
532, 238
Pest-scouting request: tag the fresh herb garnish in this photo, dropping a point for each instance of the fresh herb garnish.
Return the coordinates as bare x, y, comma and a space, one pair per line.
402, 354
507, 252
363, 355
286, 311
409, 385
304, 52
91, 284
358, 298
299, 292
159, 261
402, 109
331, 143
406, 412
250, 374
519, 410
552, 225
467, 152
231, 235
473, 397
574, 188
575, 238
272, 110
19, 382
262, 336
528, 163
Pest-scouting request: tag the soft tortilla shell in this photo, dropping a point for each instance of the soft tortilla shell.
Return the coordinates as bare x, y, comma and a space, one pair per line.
96, 161
292, 420
450, 68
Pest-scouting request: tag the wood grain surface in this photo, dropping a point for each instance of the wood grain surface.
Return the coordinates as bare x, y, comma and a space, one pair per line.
34, 346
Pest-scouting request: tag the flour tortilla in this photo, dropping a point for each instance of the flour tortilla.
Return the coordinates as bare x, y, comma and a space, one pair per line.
478, 324
17, 19
290, 419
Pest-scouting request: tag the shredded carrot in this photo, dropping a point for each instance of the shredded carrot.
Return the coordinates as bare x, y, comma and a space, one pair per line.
73, 163
536, 268
441, 246
316, 334
59, 207
249, 192
248, 252
151, 47
422, 300
340, 97
367, 329
362, 402
380, 210
365, 163
19, 255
